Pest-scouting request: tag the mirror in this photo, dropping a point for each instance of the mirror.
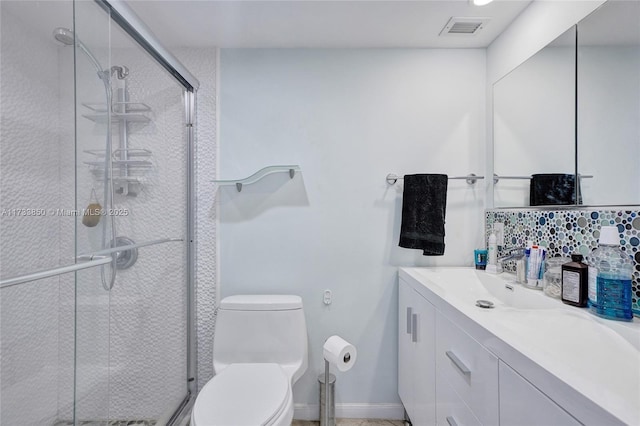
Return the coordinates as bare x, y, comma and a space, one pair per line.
609, 103
534, 122
536, 130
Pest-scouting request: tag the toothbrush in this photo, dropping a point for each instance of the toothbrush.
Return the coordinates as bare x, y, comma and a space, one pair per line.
544, 256
533, 268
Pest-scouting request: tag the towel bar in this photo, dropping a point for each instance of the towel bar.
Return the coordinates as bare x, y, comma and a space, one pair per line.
471, 178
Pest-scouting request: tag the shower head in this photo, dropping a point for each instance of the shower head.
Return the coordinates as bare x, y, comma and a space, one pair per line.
68, 38
64, 36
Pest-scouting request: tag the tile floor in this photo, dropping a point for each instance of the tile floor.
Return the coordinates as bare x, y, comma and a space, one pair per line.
353, 422
339, 422
107, 423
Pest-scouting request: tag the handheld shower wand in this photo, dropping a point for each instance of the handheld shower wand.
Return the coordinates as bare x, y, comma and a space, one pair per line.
68, 38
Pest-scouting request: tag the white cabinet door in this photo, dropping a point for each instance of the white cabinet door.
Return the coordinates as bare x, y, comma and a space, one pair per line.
416, 356
405, 347
425, 372
522, 404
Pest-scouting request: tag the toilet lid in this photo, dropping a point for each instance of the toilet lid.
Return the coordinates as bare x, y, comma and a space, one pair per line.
242, 394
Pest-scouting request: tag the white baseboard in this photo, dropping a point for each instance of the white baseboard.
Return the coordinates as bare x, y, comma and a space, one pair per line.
352, 411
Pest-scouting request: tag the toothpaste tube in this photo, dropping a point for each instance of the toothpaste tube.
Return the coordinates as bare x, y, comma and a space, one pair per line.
535, 263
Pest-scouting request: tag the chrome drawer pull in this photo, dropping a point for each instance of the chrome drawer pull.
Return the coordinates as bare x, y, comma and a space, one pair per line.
451, 421
458, 363
409, 313
414, 328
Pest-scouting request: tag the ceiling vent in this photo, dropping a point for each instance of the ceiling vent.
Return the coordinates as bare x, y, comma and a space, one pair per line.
464, 26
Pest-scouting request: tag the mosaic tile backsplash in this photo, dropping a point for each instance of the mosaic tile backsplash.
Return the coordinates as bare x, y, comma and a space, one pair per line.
570, 231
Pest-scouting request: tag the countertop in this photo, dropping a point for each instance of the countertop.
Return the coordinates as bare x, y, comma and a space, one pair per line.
579, 360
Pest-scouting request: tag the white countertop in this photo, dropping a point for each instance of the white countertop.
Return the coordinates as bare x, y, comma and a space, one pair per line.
542, 337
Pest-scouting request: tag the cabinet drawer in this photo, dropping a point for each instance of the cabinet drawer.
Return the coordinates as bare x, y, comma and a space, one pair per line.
450, 409
524, 405
469, 369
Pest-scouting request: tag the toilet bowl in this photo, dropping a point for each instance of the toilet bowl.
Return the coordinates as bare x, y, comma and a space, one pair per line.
245, 395
260, 351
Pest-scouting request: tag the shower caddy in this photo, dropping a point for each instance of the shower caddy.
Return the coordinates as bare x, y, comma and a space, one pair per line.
130, 164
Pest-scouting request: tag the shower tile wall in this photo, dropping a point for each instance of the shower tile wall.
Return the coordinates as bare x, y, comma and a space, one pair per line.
36, 172
37, 160
571, 231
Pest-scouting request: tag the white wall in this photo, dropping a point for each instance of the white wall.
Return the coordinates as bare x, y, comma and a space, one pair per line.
534, 28
348, 118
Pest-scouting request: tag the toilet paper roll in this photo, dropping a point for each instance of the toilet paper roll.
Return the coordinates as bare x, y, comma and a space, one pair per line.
340, 353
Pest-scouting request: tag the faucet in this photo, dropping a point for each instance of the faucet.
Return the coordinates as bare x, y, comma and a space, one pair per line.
515, 253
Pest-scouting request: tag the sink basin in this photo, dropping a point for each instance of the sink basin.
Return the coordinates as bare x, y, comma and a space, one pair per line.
469, 285
521, 305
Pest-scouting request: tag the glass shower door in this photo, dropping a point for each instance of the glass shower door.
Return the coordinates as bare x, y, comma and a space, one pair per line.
131, 165
94, 278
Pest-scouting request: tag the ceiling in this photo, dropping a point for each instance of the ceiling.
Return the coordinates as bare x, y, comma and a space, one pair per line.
320, 24
265, 23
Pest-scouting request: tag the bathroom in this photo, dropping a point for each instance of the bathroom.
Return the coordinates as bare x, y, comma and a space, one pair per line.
340, 93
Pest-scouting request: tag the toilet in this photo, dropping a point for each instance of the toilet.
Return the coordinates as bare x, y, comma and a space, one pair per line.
259, 352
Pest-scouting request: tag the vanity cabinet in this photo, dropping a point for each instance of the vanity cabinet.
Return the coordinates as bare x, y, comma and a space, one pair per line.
446, 377
524, 405
416, 356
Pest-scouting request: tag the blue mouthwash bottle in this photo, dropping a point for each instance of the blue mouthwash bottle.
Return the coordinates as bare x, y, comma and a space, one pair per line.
610, 271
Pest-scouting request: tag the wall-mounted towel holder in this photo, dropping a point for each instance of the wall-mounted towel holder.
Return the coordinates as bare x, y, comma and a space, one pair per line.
259, 175
471, 178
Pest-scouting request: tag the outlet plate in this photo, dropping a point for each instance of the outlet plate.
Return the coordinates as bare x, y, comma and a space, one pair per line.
498, 229
326, 297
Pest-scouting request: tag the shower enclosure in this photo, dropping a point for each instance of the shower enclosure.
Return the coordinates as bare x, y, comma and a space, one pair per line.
96, 225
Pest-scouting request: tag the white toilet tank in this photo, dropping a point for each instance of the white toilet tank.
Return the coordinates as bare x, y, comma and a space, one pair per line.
261, 329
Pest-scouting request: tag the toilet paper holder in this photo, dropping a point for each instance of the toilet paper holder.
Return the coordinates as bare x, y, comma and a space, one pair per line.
336, 351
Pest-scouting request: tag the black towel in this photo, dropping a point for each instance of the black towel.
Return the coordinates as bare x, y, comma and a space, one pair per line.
553, 189
424, 204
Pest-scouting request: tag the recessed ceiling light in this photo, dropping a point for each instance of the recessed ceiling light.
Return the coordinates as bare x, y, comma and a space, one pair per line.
481, 2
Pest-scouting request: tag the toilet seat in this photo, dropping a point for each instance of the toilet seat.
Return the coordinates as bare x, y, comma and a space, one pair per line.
244, 395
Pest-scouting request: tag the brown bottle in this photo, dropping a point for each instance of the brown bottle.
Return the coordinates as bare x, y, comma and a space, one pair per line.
575, 282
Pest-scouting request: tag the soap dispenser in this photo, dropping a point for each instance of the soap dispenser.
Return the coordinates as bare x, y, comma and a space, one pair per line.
493, 248
492, 264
